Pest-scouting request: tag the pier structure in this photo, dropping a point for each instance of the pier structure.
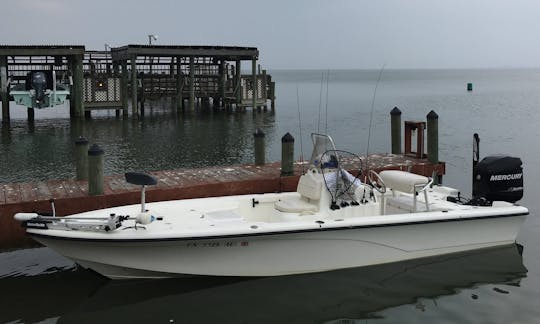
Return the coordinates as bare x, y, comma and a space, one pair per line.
194, 76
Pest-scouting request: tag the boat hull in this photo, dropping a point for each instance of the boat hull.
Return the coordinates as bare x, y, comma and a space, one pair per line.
285, 253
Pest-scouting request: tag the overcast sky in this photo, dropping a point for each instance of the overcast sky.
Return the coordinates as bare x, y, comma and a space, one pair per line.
326, 34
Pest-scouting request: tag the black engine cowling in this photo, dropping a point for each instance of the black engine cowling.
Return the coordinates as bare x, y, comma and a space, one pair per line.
39, 81
498, 178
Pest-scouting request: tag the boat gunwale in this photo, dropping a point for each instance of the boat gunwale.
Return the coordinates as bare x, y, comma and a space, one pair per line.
42, 232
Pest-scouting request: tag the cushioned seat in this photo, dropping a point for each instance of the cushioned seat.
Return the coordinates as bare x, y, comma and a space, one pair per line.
406, 182
295, 206
402, 181
309, 188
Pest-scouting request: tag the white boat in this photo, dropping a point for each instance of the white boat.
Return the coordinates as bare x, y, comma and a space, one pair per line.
333, 221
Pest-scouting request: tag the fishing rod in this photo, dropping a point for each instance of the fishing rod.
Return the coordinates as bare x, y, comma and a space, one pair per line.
371, 115
326, 119
300, 129
320, 103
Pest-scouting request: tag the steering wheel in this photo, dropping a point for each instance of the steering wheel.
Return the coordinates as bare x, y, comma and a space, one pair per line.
376, 183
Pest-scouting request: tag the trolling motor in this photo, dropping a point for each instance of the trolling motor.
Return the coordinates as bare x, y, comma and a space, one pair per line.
96, 224
495, 177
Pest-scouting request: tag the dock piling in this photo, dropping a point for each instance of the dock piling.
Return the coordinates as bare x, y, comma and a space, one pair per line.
222, 81
259, 147
179, 86
191, 83
81, 158
77, 89
287, 155
433, 136
134, 85
4, 89
30, 113
254, 81
395, 121
95, 170
125, 87
238, 82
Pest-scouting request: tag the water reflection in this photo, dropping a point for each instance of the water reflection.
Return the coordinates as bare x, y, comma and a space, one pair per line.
81, 296
162, 139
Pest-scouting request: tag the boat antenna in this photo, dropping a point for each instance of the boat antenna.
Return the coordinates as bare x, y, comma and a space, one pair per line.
371, 115
300, 129
326, 121
320, 102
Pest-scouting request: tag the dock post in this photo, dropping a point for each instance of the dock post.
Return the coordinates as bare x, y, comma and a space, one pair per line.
264, 89
259, 147
30, 114
287, 155
4, 89
237, 82
433, 137
125, 88
179, 96
273, 95
395, 121
77, 89
254, 81
222, 81
81, 158
70, 73
95, 170
191, 83
133, 85
141, 93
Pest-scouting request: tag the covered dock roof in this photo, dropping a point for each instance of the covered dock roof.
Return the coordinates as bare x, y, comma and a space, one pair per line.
225, 52
41, 50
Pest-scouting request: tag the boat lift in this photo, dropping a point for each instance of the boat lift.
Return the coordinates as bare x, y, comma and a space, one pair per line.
40, 90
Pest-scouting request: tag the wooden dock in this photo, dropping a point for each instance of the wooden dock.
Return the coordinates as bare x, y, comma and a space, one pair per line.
71, 196
120, 77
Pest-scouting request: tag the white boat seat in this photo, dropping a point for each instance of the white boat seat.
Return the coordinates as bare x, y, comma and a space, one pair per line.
406, 182
402, 181
297, 205
309, 188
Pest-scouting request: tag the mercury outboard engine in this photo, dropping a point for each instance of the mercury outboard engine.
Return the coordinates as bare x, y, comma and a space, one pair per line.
39, 83
498, 178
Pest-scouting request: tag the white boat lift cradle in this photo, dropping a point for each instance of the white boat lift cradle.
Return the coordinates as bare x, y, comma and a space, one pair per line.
332, 221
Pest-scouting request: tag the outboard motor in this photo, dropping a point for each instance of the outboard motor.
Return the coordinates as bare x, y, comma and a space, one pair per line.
39, 84
498, 178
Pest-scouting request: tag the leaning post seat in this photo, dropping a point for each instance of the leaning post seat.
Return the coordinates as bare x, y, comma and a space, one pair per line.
143, 180
406, 182
309, 187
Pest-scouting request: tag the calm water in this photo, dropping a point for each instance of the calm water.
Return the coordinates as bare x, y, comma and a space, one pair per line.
496, 286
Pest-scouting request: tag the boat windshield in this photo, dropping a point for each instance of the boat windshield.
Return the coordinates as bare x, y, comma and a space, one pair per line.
340, 169
321, 144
